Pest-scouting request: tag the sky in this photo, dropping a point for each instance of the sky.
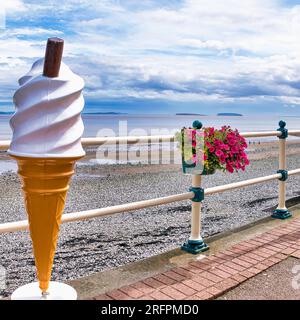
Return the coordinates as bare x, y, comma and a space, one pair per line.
162, 56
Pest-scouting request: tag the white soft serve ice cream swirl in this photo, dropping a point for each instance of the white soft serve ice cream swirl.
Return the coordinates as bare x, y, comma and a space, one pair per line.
47, 122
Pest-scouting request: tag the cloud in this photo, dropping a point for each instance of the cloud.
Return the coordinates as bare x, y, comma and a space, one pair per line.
192, 50
13, 6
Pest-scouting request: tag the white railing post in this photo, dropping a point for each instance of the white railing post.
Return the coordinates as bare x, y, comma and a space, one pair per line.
195, 243
282, 212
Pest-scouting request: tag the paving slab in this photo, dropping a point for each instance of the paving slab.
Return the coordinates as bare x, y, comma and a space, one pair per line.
280, 282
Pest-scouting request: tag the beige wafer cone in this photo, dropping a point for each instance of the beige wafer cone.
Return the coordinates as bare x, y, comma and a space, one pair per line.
45, 185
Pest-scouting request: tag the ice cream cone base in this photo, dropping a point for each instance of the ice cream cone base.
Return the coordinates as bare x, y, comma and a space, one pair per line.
56, 291
45, 184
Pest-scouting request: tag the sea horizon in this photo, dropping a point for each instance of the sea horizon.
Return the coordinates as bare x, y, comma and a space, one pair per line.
121, 124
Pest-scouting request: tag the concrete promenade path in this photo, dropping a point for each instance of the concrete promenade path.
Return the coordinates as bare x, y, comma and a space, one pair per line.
254, 263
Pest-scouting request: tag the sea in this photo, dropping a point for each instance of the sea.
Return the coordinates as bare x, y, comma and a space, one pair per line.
158, 124
138, 124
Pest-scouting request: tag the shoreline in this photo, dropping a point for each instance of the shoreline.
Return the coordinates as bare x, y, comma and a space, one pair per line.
103, 243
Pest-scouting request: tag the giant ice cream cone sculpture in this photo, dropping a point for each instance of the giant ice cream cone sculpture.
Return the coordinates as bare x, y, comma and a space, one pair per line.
47, 129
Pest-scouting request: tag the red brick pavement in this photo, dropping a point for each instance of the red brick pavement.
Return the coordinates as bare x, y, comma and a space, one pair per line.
213, 275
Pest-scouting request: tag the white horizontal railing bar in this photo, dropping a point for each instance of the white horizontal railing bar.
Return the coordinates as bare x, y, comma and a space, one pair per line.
89, 214
241, 184
4, 144
82, 215
260, 134
14, 226
127, 139
294, 172
294, 132
127, 207
162, 138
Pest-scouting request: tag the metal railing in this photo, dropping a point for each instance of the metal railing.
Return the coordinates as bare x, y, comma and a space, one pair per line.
195, 243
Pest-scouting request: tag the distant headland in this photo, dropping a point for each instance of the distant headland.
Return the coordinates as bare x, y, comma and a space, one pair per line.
4, 112
105, 113
221, 114
230, 114
190, 114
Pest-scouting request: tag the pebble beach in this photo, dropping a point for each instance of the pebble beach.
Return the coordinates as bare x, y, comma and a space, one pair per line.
98, 244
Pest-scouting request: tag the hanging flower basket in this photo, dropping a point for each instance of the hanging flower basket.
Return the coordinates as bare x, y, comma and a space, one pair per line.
205, 151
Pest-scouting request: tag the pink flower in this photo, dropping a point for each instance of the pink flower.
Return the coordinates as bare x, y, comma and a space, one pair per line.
222, 159
234, 149
243, 155
229, 168
237, 165
212, 149
218, 142
231, 142
225, 147
219, 153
